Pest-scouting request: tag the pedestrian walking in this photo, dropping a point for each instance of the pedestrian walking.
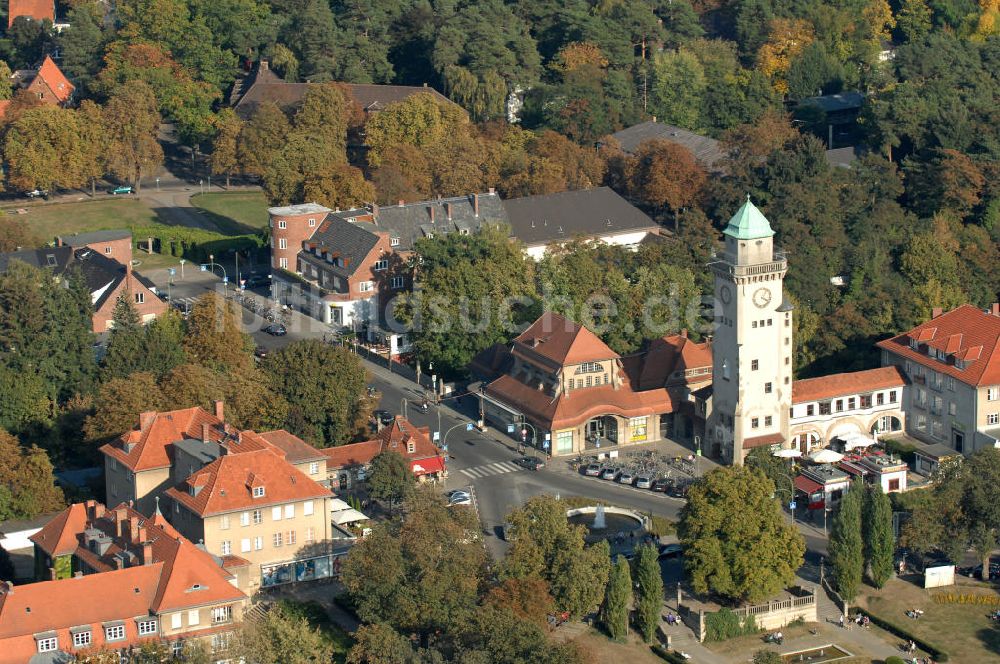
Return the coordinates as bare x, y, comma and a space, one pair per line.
840, 621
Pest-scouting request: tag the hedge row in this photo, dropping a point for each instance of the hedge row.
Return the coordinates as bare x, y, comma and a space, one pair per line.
194, 244
936, 653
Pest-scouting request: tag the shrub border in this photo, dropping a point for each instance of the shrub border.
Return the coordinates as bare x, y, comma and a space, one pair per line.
935, 652
667, 655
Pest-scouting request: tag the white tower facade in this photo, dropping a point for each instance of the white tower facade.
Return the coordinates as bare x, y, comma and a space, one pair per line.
752, 346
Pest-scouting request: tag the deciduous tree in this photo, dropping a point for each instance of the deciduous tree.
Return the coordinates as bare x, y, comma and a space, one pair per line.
225, 157
27, 473
420, 120
42, 149
280, 636
118, 404
214, 338
132, 122
664, 174
390, 479
736, 540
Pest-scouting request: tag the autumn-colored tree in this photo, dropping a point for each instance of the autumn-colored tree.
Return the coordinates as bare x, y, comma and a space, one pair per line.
403, 175
215, 339
190, 385
93, 143
42, 149
582, 167
15, 234
528, 598
949, 181
662, 173
26, 472
339, 186
262, 137
132, 123
322, 120
420, 120
787, 38
575, 55
225, 148
118, 404
6, 91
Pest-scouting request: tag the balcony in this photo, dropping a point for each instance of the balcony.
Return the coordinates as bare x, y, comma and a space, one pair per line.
737, 271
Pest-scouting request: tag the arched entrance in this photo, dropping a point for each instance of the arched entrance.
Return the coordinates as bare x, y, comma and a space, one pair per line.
601, 431
886, 424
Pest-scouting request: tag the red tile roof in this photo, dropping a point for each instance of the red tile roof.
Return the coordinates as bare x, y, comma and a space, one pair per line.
294, 448
398, 437
806, 485
844, 384
761, 441
581, 404
56, 80
35, 9
559, 341
670, 354
146, 447
226, 484
427, 466
58, 537
966, 333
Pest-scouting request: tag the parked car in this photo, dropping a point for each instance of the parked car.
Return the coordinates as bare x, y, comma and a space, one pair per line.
643, 482
260, 352
670, 551
37, 193
678, 491
124, 189
458, 497
626, 478
592, 470
530, 462
383, 416
276, 330
661, 485
609, 473
255, 280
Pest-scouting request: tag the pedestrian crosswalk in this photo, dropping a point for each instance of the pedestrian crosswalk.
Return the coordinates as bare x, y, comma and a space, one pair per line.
486, 470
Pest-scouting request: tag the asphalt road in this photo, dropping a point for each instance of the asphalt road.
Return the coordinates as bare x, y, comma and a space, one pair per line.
477, 460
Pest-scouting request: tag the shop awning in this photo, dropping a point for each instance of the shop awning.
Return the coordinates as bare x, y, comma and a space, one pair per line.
427, 466
807, 486
760, 441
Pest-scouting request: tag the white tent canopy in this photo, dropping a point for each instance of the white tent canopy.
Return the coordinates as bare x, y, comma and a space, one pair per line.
826, 456
856, 439
338, 505
349, 515
788, 454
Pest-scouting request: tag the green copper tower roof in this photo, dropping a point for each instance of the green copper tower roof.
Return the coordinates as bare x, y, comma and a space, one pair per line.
748, 223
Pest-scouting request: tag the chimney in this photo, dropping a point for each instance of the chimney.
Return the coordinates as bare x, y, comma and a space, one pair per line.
264, 65
128, 273
59, 241
401, 202
146, 418
995, 309
133, 531
141, 534
431, 208
147, 552
220, 410
936, 311
447, 206
492, 191
119, 562
475, 204
205, 428
121, 518
684, 333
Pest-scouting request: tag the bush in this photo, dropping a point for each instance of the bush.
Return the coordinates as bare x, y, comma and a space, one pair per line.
900, 448
660, 526
966, 598
667, 655
724, 624
936, 653
895, 660
767, 657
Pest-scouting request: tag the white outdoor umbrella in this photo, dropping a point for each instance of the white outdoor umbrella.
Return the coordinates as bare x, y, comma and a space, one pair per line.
348, 516
788, 454
826, 456
862, 442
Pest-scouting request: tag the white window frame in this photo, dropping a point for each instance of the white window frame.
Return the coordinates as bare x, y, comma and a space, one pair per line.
314, 467
381, 265
282, 223
291, 538
397, 282
394, 242
282, 243
290, 511
49, 644
312, 222
310, 535
222, 614
146, 627
993, 418
366, 286
227, 547
140, 298
283, 263
276, 513
194, 617
258, 543
992, 393
307, 508
245, 519
258, 492
258, 517
114, 633
276, 539
224, 522
83, 639
176, 621
245, 545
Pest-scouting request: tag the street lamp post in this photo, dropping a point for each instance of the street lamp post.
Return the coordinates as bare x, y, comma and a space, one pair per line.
444, 440
170, 280
402, 407
182, 267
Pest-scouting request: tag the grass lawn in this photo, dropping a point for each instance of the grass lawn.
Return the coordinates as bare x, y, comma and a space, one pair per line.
963, 631
602, 649
49, 220
235, 212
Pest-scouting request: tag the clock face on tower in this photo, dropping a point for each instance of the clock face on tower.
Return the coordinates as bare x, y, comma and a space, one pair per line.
761, 297
725, 294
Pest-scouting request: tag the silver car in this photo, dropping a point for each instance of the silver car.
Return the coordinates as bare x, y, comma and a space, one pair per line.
608, 474
643, 483
626, 478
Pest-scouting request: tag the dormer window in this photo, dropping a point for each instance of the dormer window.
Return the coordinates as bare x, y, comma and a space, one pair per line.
258, 492
411, 447
394, 242
382, 264
282, 224
312, 222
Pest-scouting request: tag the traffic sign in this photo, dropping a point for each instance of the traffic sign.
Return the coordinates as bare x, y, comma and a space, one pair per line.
548, 436
524, 432
437, 436
171, 271
225, 280
204, 267
468, 427
510, 428
545, 445
792, 505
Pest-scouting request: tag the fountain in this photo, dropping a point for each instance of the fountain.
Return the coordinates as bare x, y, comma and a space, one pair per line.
599, 521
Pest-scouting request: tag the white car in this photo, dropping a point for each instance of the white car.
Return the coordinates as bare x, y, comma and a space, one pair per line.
458, 497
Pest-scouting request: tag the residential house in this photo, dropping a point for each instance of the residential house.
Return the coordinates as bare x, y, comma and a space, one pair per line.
50, 85
349, 463
598, 214
106, 279
953, 364
134, 579
36, 10
262, 84
15, 539
113, 244
706, 150
262, 496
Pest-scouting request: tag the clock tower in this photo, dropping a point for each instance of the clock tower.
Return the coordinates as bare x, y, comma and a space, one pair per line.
752, 346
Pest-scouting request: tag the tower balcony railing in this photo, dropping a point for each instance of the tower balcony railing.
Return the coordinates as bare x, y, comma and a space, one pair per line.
727, 266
